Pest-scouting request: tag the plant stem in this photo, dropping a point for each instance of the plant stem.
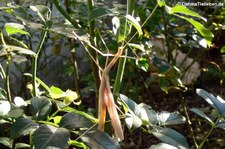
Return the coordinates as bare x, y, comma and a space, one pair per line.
94, 61
209, 132
7, 84
35, 60
188, 122
122, 60
65, 14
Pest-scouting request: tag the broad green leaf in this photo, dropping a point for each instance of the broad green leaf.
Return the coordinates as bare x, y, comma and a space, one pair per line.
77, 144
184, 10
222, 50
148, 115
167, 118
217, 103
6, 141
15, 113
132, 121
98, 12
88, 116
41, 107
75, 120
163, 146
15, 50
22, 145
98, 139
136, 46
57, 119
22, 127
133, 107
206, 33
171, 137
201, 114
221, 125
14, 28
55, 92
49, 137
4, 107
164, 84
135, 23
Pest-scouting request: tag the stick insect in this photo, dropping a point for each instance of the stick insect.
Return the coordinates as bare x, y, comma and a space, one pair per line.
106, 100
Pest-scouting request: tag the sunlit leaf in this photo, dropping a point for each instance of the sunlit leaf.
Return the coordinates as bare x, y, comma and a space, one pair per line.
167, 118
4, 107
15, 113
217, 103
135, 23
6, 141
14, 28
163, 146
132, 121
201, 113
75, 120
184, 10
142, 63
22, 127
171, 137
206, 33
98, 139
222, 50
48, 136
77, 144
148, 115
55, 92
221, 125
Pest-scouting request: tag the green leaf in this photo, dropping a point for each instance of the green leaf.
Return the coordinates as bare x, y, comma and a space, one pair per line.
206, 33
222, 50
98, 139
221, 125
22, 145
49, 137
41, 107
132, 121
14, 28
148, 115
75, 120
142, 63
161, 3
15, 113
133, 107
16, 50
98, 12
217, 103
164, 84
4, 107
77, 144
163, 146
88, 116
167, 118
184, 10
22, 127
201, 114
171, 137
135, 23
136, 46
6, 141
55, 92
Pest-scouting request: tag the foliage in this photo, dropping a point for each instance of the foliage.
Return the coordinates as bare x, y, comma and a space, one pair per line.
49, 117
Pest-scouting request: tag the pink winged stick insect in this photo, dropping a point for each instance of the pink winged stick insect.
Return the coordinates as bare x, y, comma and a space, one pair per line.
106, 101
